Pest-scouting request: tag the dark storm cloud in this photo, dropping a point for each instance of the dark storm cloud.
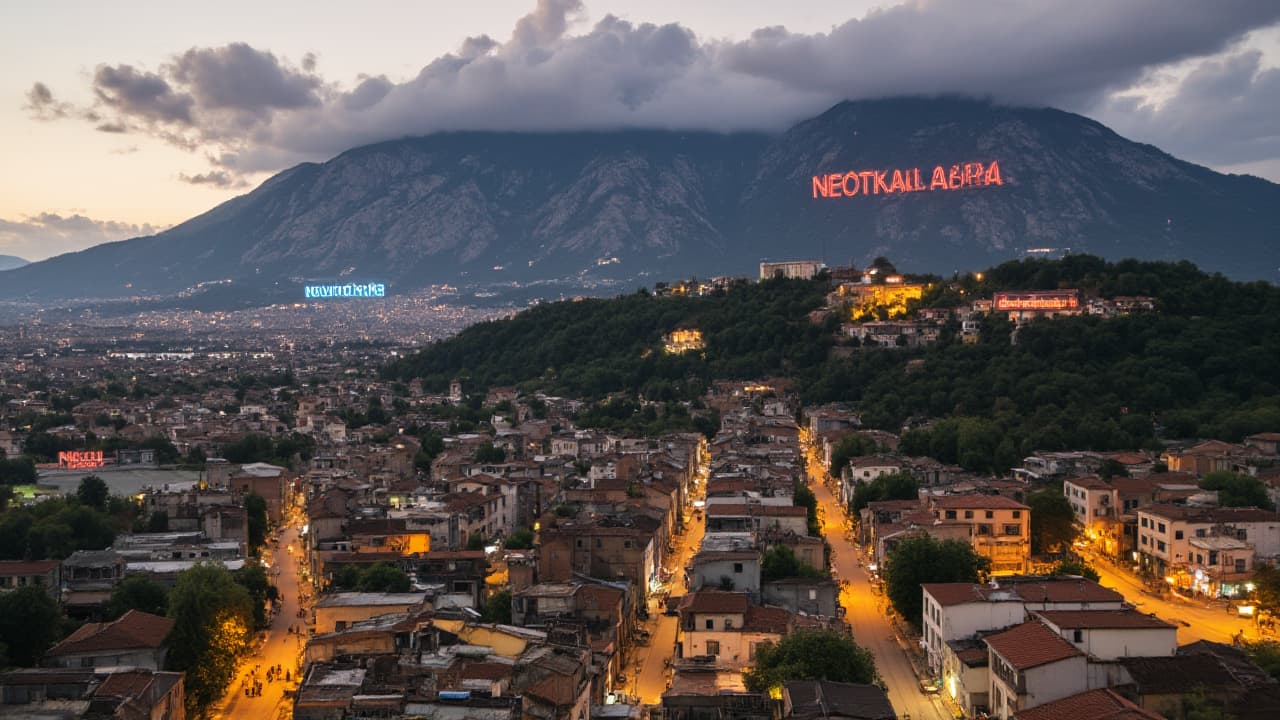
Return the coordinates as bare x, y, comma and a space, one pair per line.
47, 234
256, 112
1223, 112
140, 94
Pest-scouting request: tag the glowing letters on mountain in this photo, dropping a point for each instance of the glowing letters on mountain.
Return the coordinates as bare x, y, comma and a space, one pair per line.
888, 182
349, 290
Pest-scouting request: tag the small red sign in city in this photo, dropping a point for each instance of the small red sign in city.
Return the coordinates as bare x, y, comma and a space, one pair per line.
906, 180
81, 459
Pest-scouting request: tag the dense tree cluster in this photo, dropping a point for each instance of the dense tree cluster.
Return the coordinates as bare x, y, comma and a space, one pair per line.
894, 486
1238, 490
375, 578
810, 655
780, 562
1053, 525
53, 529
924, 559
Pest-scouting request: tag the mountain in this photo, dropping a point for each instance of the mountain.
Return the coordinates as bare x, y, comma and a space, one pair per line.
494, 208
9, 262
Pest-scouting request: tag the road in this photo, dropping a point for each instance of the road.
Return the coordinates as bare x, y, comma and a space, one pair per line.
1195, 620
280, 647
865, 613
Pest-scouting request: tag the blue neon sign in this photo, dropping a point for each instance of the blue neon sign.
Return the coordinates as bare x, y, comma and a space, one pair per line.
349, 290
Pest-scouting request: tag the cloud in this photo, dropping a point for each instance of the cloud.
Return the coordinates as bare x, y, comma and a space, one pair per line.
112, 127
41, 236
215, 178
253, 111
43, 106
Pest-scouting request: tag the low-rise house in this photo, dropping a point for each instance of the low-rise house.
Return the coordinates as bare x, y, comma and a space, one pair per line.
726, 626
1113, 634
47, 574
1166, 534
823, 699
1001, 528
1031, 665
136, 639
337, 611
1100, 704
131, 694
88, 577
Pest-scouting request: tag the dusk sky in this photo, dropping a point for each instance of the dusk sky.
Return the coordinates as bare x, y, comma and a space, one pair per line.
120, 119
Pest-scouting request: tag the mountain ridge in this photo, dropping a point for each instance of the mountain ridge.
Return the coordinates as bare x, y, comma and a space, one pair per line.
11, 262
501, 207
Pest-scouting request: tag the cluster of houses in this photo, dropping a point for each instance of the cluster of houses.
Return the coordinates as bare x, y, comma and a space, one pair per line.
1036, 648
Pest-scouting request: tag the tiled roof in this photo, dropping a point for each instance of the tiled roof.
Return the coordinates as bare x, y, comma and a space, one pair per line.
1102, 704
947, 594
1031, 644
766, 620
486, 671
134, 630
1108, 619
974, 500
1061, 590
736, 509
1211, 515
1089, 482
715, 601
27, 567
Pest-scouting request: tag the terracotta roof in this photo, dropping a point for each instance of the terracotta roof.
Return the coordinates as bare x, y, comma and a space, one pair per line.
1031, 644
1102, 619
1089, 482
1044, 590
1102, 704
973, 500
485, 671
736, 509
27, 567
1211, 515
714, 601
125, 684
766, 620
134, 629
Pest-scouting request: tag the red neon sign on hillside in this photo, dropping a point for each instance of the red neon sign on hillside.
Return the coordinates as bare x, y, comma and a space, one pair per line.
887, 182
81, 459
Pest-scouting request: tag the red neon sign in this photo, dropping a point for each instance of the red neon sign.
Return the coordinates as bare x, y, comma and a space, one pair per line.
81, 459
886, 182
1036, 301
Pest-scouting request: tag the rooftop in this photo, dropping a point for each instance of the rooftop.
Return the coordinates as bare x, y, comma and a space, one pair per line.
1102, 704
133, 630
1031, 644
715, 601
356, 599
975, 500
1103, 619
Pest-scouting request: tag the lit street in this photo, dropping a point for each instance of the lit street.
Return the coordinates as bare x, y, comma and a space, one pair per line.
864, 608
280, 647
1195, 620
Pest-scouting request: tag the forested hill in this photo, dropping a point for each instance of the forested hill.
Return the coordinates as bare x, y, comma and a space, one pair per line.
1204, 364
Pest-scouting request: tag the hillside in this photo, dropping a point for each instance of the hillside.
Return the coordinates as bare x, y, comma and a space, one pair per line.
9, 262
1200, 366
635, 206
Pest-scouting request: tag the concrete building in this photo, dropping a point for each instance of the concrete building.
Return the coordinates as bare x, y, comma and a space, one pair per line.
1031, 665
1001, 528
136, 639
798, 269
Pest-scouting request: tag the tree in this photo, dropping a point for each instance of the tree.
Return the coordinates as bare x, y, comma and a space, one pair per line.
924, 559
158, 522
849, 447
894, 486
346, 577
804, 497
18, 471
1076, 567
489, 455
138, 592
383, 578
213, 617
255, 509
521, 539
1236, 490
810, 655
1053, 521
29, 623
476, 541
780, 562
253, 578
497, 609
1266, 655
93, 492
1266, 581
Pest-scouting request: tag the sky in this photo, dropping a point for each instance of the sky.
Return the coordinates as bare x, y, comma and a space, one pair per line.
122, 119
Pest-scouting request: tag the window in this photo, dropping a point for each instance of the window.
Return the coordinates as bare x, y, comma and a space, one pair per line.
579, 542
1213, 557
950, 514
1144, 522
1012, 529
1160, 527
813, 594
968, 514
1160, 545
1144, 539
713, 646
626, 544
599, 543
1240, 565
1177, 534
1017, 514
737, 567
711, 624
984, 529
1077, 636
989, 514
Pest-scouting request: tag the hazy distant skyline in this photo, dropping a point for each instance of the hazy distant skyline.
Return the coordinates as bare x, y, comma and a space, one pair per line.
121, 119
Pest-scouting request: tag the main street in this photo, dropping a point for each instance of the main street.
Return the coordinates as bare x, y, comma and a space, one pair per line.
1195, 619
865, 609
280, 647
